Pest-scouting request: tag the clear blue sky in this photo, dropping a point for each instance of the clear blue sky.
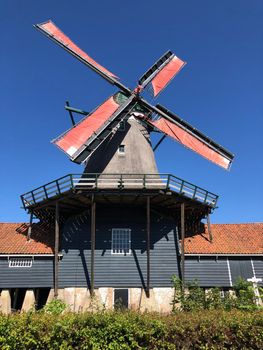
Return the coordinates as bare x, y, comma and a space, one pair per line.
219, 91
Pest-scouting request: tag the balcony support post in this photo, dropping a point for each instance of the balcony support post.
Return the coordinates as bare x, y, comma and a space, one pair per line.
93, 233
148, 229
29, 231
56, 250
183, 244
209, 227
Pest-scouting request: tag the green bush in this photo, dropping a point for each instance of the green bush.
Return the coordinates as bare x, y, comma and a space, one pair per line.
193, 298
206, 329
245, 295
55, 307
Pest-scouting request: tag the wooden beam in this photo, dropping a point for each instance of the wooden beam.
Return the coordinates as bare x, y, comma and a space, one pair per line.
148, 246
209, 227
83, 200
160, 213
174, 204
73, 201
51, 202
154, 197
93, 232
68, 206
107, 199
29, 231
159, 142
162, 200
182, 244
70, 113
56, 251
135, 199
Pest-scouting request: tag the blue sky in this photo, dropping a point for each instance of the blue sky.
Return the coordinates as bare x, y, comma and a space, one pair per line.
219, 91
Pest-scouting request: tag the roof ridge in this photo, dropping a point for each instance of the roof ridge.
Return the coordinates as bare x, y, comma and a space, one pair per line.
17, 223
232, 223
240, 223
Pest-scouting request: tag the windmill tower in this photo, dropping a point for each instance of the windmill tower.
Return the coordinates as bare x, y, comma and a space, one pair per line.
121, 180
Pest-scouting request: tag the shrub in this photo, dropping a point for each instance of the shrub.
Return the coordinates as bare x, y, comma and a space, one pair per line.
190, 299
245, 295
55, 307
194, 298
206, 329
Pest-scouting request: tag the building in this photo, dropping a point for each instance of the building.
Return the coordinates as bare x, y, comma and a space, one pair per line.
120, 229
27, 266
235, 251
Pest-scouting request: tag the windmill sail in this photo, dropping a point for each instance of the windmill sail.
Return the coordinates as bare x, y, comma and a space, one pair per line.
53, 32
184, 133
162, 72
83, 138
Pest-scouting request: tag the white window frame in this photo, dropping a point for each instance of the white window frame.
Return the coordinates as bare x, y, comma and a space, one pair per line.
127, 230
21, 262
222, 294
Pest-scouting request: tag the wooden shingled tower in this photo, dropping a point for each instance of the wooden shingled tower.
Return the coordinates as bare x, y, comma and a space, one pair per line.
113, 142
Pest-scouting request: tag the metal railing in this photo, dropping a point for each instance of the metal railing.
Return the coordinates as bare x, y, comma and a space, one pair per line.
87, 182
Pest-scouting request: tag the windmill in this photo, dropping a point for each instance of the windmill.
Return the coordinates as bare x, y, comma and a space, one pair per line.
98, 128
129, 206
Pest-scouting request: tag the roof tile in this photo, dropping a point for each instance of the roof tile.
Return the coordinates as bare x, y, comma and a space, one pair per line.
228, 239
13, 239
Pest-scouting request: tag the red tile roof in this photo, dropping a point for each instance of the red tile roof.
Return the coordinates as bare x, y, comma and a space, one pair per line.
228, 239
13, 239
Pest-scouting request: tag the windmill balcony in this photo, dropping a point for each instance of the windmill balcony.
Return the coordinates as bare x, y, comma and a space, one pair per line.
120, 183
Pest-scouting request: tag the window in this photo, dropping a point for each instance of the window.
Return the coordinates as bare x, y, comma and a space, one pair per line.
121, 241
222, 294
121, 298
20, 262
121, 149
122, 126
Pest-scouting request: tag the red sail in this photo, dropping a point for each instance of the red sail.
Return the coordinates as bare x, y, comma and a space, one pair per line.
52, 30
77, 136
187, 139
166, 74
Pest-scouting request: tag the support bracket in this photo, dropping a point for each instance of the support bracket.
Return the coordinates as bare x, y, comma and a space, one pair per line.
159, 142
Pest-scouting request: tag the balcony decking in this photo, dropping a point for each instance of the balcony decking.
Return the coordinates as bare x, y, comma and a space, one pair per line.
118, 182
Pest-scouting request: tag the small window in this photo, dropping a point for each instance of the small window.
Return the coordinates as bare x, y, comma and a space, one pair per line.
121, 241
122, 126
20, 262
222, 294
121, 149
121, 298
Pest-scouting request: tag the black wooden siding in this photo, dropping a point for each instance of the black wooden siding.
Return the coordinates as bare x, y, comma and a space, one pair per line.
258, 266
208, 271
117, 270
37, 276
240, 267
126, 271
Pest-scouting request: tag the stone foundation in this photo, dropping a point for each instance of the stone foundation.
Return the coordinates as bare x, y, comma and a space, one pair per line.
80, 300
5, 302
29, 300
135, 298
160, 300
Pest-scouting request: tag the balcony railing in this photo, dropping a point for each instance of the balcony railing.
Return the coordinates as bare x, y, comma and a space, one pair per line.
118, 182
